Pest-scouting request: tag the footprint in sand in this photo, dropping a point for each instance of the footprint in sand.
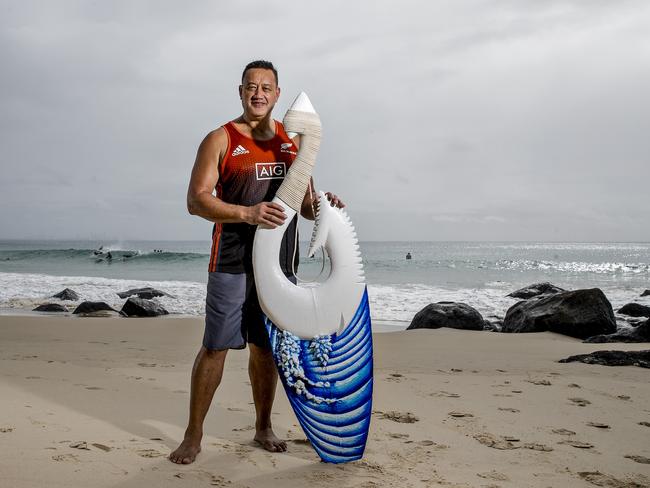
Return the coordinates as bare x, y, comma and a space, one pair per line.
93, 388
539, 382
638, 459
400, 417
149, 453
5, 430
580, 402
66, 457
80, 445
577, 444
598, 425
396, 377
563, 432
496, 442
624, 397
102, 447
645, 424
601, 479
574, 385
508, 409
446, 394
395, 435
242, 429
536, 446
219, 481
493, 475
459, 415
147, 365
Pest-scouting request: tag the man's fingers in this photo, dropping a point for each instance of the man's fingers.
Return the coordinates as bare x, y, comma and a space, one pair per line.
334, 200
275, 206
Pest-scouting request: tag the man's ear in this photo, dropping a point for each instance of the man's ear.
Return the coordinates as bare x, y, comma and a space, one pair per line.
277, 92
241, 87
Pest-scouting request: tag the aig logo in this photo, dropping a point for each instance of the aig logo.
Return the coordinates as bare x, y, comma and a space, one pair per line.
270, 171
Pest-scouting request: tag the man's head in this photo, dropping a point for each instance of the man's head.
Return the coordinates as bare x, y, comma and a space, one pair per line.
259, 90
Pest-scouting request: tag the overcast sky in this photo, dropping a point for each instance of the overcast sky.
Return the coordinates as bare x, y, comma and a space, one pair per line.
442, 120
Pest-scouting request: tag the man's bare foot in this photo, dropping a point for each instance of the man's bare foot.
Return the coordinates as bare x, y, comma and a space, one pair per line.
186, 453
269, 441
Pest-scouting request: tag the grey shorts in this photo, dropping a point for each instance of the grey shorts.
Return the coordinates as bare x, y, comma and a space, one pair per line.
233, 316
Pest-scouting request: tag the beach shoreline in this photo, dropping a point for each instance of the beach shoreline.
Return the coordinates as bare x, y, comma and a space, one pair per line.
451, 408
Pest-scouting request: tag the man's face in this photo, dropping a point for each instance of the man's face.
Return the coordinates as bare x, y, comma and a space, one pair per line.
258, 92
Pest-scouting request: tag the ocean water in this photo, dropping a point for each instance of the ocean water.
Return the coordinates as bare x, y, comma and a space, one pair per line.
480, 274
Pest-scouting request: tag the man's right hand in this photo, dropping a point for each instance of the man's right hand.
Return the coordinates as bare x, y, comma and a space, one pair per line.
268, 214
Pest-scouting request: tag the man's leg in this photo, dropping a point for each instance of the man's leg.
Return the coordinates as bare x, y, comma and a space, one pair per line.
206, 376
264, 378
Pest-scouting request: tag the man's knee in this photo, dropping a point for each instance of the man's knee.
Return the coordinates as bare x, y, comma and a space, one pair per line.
212, 354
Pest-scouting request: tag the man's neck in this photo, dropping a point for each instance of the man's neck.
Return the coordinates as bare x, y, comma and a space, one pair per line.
259, 128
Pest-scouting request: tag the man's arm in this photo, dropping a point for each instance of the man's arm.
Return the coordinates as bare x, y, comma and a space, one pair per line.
205, 175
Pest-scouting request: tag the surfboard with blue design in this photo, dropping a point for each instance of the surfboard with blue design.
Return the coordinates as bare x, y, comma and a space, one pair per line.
328, 380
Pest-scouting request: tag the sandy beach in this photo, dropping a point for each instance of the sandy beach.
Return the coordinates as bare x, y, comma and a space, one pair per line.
100, 402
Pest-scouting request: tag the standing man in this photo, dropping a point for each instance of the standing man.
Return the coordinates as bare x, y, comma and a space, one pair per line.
245, 161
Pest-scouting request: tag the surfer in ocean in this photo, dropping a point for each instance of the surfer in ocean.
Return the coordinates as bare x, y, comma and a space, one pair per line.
243, 162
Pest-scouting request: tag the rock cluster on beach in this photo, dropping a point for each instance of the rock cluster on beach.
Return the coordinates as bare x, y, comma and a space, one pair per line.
585, 314
139, 306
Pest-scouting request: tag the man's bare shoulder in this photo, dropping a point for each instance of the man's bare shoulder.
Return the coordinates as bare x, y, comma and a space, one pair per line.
216, 138
214, 145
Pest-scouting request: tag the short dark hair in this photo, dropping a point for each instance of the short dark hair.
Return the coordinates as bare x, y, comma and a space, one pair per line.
260, 64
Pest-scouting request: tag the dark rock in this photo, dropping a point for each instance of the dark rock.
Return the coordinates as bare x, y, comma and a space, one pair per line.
147, 293
492, 326
67, 294
535, 290
50, 307
613, 358
138, 307
635, 310
447, 314
579, 313
645, 293
94, 308
638, 334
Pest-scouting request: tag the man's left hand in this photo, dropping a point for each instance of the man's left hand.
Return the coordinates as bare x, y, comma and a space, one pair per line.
334, 200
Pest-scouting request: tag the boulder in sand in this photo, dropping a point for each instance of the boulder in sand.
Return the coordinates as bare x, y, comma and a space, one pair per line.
146, 293
641, 333
67, 294
50, 307
635, 310
447, 314
613, 358
139, 307
536, 289
94, 309
579, 313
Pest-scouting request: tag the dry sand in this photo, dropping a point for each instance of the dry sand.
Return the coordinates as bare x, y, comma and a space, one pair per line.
100, 402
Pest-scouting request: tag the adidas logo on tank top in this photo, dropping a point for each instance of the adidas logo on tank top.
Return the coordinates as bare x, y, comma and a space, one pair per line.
239, 150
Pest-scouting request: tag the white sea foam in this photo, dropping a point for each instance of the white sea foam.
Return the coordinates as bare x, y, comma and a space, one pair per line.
18, 290
395, 303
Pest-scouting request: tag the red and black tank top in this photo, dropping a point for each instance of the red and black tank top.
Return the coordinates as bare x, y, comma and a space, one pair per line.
250, 172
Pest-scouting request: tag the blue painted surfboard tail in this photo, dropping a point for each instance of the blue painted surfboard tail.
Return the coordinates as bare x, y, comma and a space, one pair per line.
328, 380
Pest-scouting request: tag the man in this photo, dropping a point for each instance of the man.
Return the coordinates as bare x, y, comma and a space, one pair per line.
245, 161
